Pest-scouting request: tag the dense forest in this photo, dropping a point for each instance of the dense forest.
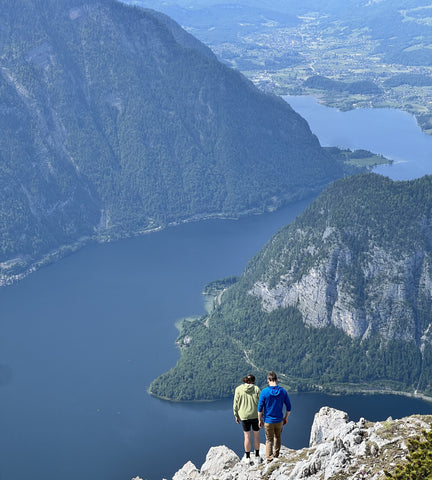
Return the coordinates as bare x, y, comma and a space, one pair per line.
373, 222
414, 80
360, 87
116, 121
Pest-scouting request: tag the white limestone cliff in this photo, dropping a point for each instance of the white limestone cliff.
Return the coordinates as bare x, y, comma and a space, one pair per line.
339, 448
325, 296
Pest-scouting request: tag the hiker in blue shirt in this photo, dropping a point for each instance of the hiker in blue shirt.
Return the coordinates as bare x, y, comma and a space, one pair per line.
271, 414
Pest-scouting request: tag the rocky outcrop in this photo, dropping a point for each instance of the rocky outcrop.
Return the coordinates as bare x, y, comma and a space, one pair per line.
358, 259
324, 295
339, 448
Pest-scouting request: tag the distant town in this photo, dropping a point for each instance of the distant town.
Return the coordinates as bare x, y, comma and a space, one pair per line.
281, 59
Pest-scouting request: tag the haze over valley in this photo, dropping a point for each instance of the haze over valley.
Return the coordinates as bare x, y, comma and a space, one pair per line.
351, 54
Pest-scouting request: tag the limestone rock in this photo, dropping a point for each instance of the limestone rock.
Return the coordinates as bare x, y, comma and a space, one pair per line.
219, 459
324, 297
187, 472
339, 448
327, 425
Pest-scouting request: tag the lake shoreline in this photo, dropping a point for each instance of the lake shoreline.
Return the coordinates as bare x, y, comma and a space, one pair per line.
336, 389
30, 265
341, 105
345, 393
371, 392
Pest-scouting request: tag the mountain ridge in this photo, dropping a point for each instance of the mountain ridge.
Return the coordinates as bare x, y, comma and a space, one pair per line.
117, 121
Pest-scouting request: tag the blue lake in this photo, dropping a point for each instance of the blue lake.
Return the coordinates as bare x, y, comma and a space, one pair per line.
81, 340
393, 133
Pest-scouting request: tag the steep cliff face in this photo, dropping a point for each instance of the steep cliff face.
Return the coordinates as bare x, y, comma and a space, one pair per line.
366, 272
339, 448
115, 121
325, 296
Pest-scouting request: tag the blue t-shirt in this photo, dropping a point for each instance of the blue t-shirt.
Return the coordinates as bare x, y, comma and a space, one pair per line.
272, 401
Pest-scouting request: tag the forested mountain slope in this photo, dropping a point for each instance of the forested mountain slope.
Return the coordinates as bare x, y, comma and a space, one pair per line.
114, 120
340, 298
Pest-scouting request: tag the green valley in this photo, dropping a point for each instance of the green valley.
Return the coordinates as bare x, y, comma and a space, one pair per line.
280, 45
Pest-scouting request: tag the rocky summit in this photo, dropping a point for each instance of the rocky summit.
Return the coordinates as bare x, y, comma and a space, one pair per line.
339, 448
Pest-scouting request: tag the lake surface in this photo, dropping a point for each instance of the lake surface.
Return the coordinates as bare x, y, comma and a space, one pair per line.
81, 340
393, 133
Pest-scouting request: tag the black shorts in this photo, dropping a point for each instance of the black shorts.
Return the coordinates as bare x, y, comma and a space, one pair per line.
247, 424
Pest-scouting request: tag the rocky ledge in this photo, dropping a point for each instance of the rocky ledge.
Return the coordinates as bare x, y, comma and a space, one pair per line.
338, 449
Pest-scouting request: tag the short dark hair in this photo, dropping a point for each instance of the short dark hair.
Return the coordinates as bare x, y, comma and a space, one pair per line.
249, 379
272, 377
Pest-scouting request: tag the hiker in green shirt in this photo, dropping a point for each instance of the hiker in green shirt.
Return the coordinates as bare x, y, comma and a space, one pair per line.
245, 408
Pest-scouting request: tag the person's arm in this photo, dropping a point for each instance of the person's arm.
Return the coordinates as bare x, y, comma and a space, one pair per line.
288, 409
261, 410
260, 419
236, 407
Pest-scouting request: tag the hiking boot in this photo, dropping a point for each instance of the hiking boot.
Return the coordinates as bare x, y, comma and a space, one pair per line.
246, 461
257, 460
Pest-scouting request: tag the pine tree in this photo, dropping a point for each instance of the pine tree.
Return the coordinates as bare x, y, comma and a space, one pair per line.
419, 460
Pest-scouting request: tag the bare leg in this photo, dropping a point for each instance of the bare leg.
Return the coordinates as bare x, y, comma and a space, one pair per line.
256, 438
247, 442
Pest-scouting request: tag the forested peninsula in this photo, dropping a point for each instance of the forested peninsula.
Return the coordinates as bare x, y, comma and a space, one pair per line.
115, 121
338, 300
